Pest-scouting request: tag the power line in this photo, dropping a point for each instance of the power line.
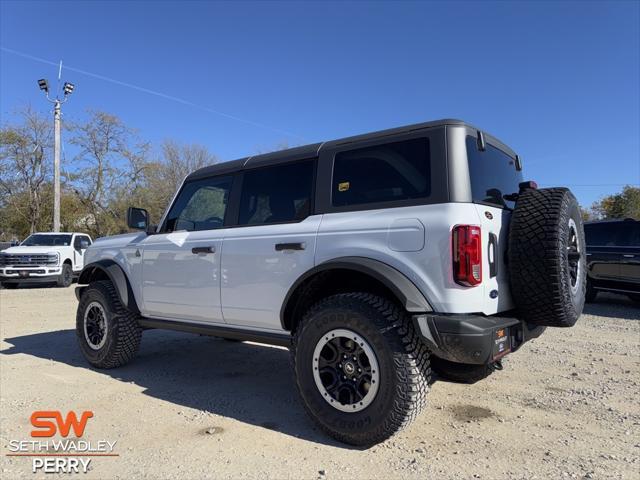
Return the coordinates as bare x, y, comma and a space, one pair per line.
152, 92
591, 184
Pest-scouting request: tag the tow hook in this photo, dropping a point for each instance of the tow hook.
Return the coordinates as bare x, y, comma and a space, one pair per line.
497, 365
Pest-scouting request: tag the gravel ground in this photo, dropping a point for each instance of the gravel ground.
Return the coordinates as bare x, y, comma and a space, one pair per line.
566, 405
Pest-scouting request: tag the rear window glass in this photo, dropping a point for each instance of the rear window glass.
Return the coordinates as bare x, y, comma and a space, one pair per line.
612, 234
382, 173
493, 174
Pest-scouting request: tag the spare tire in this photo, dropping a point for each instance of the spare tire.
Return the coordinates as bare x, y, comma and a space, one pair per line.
546, 257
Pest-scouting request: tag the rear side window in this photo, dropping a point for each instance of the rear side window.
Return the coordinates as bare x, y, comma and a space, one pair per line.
493, 174
276, 194
382, 173
201, 205
610, 234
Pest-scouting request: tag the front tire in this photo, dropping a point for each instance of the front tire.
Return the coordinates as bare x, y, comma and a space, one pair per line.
361, 369
10, 286
108, 334
66, 276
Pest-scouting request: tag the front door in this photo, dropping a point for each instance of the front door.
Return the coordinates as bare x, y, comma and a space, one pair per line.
181, 264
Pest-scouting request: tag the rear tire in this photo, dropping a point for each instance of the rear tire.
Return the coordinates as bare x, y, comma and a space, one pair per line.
366, 412
547, 267
108, 334
460, 372
66, 276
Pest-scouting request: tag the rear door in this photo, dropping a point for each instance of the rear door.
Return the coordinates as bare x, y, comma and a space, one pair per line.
271, 246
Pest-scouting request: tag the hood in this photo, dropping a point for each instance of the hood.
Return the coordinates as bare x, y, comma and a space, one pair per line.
33, 250
118, 240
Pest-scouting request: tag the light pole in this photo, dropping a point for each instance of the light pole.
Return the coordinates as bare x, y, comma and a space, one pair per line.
67, 89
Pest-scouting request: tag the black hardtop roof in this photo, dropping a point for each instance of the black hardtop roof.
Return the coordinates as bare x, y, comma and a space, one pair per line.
309, 151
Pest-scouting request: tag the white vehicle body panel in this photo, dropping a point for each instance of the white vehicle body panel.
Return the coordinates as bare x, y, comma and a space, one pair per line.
256, 278
374, 234
177, 283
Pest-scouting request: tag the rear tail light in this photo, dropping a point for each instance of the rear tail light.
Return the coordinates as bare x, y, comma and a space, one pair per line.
467, 255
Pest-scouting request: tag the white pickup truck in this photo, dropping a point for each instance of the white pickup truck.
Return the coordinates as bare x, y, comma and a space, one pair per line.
44, 258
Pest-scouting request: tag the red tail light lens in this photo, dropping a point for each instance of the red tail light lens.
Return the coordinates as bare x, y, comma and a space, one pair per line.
467, 255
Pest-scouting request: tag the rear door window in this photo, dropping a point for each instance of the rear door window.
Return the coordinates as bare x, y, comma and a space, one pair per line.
493, 174
382, 173
277, 194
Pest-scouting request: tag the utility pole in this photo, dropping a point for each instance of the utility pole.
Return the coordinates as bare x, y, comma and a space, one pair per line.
56, 166
57, 113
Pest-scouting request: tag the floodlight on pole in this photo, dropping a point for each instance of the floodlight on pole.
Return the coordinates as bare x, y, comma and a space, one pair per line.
68, 88
44, 85
57, 114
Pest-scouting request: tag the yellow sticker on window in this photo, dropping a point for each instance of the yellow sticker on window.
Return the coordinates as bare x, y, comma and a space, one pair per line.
343, 186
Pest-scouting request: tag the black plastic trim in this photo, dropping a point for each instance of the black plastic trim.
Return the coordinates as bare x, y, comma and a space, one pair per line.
403, 288
272, 338
118, 278
468, 338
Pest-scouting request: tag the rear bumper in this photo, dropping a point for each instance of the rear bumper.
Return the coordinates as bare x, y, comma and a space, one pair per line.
474, 339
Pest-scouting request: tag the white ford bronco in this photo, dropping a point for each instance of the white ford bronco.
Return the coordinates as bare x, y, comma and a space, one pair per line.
377, 259
44, 258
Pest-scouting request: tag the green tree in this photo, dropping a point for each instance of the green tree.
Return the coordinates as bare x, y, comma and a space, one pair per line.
625, 204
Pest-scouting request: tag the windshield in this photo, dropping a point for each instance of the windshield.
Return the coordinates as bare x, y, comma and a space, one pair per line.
493, 174
39, 240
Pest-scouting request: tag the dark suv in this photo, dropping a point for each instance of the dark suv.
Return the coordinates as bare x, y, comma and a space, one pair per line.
613, 256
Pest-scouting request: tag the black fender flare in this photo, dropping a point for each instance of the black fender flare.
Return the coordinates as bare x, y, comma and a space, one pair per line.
116, 275
402, 287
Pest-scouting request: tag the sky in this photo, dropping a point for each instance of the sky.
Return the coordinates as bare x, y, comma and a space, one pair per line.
559, 82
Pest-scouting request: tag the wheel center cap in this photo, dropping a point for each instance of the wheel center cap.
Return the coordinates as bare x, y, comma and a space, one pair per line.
349, 368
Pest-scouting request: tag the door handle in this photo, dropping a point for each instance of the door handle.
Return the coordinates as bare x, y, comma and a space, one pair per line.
205, 250
290, 246
628, 256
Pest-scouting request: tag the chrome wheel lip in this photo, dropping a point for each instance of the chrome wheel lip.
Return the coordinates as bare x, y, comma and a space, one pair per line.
96, 307
574, 243
375, 375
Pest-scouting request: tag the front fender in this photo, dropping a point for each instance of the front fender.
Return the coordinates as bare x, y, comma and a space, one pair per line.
111, 270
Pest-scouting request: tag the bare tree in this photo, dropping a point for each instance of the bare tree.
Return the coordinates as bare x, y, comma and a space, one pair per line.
110, 163
179, 160
24, 165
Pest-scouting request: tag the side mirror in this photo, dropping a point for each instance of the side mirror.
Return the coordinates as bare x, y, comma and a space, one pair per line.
84, 244
137, 218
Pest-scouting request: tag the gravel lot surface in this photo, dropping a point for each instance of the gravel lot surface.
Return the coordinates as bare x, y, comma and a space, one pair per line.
567, 405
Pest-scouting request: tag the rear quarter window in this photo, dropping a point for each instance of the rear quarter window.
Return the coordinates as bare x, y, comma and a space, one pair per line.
382, 173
